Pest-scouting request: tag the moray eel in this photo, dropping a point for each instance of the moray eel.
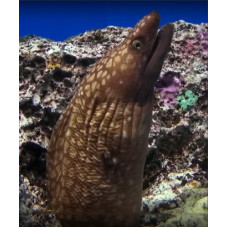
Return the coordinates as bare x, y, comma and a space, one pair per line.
97, 150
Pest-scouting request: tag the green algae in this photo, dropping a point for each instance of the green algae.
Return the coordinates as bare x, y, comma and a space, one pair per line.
187, 99
193, 212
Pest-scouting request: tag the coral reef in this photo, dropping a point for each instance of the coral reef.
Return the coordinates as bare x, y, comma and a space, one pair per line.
32, 204
175, 174
178, 200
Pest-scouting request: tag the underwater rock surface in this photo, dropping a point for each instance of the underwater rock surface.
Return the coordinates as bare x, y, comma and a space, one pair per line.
175, 174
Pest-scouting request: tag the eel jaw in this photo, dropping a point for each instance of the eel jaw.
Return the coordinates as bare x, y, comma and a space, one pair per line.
159, 51
153, 68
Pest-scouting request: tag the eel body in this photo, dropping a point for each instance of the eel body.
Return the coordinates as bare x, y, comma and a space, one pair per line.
97, 150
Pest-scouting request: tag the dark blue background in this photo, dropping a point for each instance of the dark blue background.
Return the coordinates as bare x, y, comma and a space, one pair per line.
58, 20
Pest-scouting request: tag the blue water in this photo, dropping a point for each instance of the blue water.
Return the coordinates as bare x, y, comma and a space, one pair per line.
58, 20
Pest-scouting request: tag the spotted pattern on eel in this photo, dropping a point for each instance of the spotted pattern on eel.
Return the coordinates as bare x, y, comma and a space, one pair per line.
97, 150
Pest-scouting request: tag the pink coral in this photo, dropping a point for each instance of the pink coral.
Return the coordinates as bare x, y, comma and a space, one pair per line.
169, 86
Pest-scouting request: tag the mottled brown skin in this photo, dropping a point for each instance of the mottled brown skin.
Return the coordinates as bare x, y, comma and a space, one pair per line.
97, 150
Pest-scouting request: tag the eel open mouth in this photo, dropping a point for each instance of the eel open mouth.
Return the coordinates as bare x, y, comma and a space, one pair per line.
160, 49
155, 62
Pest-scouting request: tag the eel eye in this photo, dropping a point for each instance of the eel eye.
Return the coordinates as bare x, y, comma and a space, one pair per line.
136, 45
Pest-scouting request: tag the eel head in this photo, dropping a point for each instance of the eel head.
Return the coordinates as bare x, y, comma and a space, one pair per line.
134, 65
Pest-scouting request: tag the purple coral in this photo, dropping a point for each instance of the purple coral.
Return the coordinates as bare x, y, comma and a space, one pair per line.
195, 46
203, 37
169, 86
